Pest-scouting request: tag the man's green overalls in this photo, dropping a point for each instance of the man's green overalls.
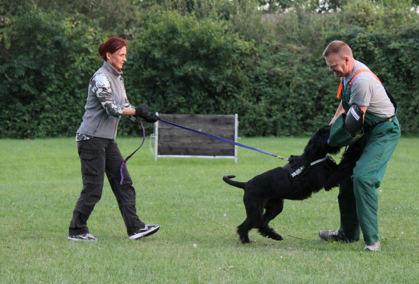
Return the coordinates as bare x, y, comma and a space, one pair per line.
358, 197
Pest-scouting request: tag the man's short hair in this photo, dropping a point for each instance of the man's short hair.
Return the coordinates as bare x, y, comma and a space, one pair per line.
337, 47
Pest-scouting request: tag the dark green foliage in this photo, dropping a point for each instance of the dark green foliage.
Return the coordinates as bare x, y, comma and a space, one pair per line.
284, 94
180, 65
45, 70
200, 57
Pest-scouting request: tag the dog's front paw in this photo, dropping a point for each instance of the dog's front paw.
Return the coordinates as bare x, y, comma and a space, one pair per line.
277, 237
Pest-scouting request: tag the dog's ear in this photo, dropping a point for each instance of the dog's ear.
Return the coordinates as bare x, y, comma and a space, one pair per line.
324, 128
318, 142
322, 131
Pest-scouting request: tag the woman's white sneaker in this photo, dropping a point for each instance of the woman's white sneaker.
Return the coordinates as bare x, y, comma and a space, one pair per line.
83, 237
148, 230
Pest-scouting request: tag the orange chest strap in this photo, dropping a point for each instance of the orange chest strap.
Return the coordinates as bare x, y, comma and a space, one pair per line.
350, 82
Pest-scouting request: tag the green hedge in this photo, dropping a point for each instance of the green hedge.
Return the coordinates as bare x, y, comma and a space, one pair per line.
46, 65
272, 75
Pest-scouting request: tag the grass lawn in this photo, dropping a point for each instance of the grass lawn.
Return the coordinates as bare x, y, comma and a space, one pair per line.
40, 182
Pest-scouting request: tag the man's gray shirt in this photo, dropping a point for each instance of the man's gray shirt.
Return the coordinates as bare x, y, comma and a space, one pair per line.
367, 91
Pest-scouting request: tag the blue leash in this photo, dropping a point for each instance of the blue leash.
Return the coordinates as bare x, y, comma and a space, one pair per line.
221, 139
127, 158
198, 132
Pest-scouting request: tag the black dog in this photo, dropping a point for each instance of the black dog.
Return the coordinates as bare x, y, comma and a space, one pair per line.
302, 176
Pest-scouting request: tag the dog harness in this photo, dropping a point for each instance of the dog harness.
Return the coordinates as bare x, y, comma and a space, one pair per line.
298, 169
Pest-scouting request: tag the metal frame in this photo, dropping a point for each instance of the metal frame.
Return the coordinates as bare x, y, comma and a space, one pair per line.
155, 135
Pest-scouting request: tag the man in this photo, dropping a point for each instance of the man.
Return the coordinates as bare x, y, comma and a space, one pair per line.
366, 120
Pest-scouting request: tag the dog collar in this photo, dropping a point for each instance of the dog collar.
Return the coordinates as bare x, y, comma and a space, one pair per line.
319, 161
300, 171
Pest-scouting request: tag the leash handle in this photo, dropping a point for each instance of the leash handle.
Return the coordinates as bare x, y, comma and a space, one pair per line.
221, 139
127, 158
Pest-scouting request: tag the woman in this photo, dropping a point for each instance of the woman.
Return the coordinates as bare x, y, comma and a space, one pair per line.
98, 151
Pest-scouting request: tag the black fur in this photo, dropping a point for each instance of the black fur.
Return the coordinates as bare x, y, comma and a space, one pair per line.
264, 194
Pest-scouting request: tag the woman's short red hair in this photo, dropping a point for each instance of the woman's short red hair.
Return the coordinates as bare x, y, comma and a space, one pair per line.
111, 45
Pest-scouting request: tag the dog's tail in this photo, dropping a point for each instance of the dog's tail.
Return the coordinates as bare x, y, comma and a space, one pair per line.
238, 184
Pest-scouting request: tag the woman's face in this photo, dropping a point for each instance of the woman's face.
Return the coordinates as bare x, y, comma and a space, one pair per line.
118, 58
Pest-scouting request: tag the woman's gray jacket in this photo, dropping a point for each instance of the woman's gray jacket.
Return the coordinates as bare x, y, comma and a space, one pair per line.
106, 100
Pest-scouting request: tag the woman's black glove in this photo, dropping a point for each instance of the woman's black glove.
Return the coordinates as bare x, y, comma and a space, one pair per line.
142, 111
152, 118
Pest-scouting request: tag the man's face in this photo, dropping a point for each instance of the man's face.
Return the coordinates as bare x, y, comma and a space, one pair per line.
338, 65
118, 58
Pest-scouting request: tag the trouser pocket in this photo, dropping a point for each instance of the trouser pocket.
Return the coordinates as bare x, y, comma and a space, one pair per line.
89, 162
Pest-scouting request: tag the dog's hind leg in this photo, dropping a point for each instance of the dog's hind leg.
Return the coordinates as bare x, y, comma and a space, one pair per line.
273, 208
243, 232
254, 212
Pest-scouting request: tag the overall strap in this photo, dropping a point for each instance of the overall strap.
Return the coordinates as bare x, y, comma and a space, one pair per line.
350, 82
340, 88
